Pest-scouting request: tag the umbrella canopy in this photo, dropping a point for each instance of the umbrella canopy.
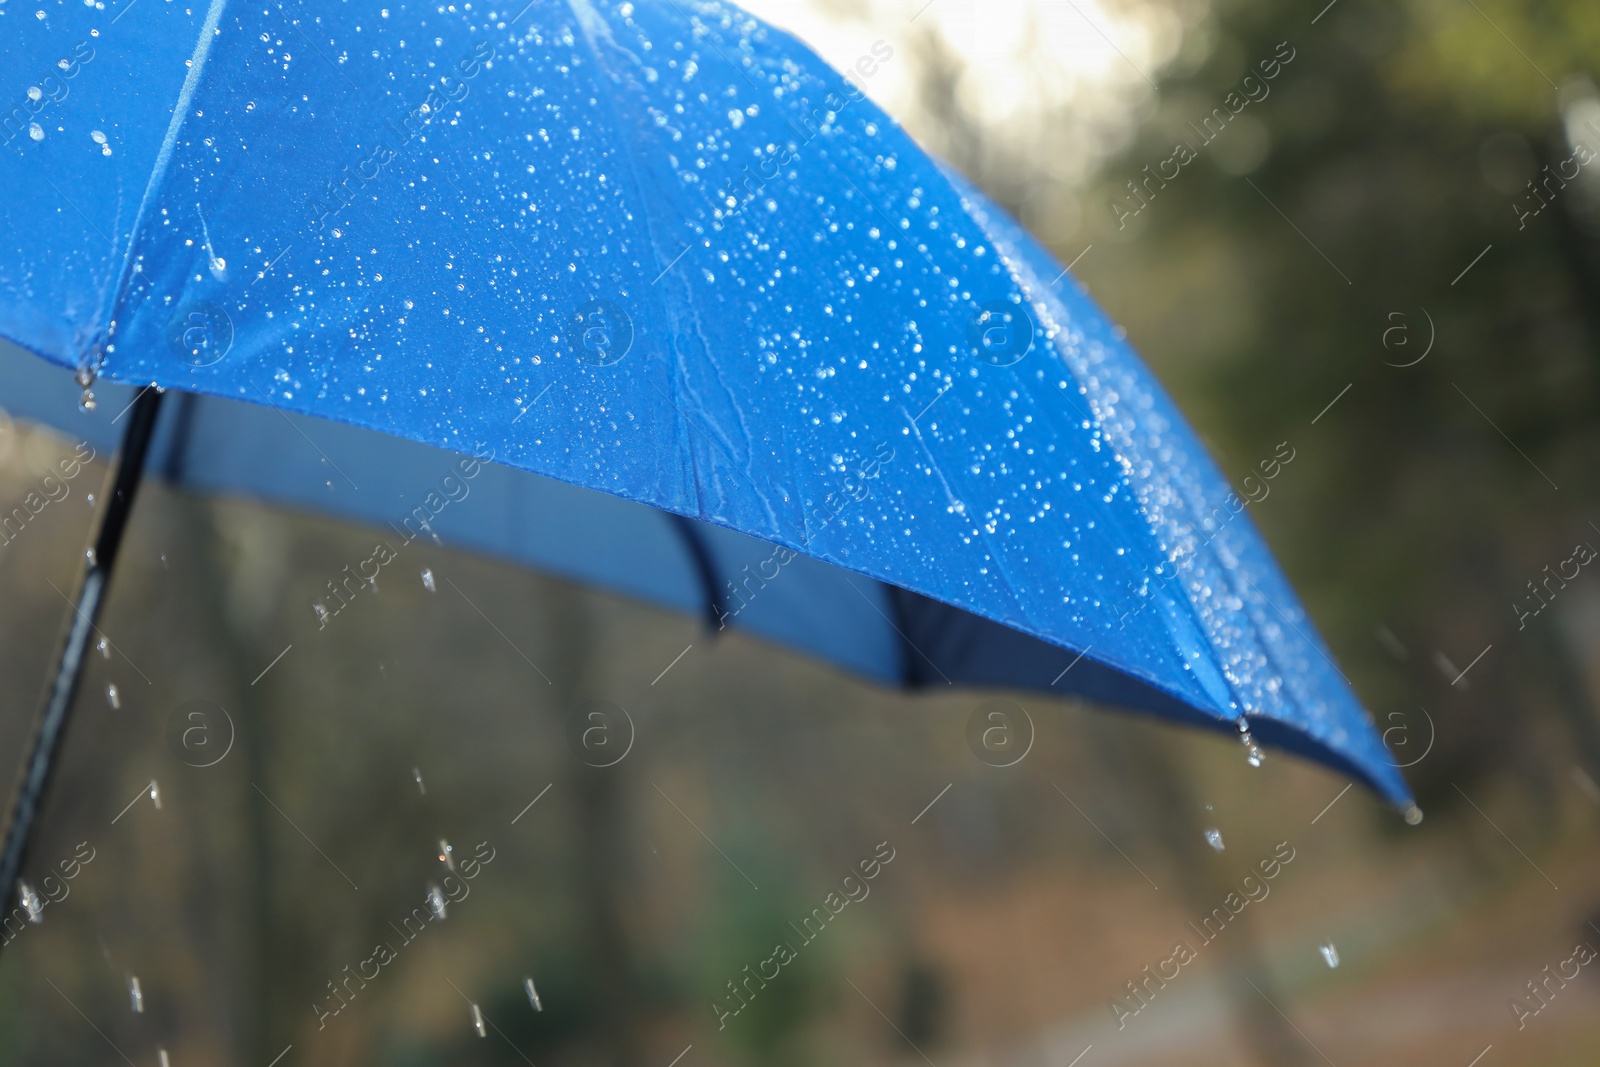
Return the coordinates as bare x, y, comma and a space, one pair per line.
661, 251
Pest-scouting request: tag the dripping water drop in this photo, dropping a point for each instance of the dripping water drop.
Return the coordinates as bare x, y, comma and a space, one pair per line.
31, 903
114, 697
447, 854
416, 772
533, 994
436, 903
427, 580
477, 1022
1330, 955
135, 995
1214, 839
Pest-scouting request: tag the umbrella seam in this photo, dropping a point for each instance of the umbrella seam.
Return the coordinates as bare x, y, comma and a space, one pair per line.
158, 173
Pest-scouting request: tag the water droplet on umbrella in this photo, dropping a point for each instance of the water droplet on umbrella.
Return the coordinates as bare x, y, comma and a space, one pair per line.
31, 903
36, 131
1214, 839
477, 1022
113, 697
416, 772
1413, 815
100, 139
427, 580
533, 994
105, 648
436, 903
35, 93
1330, 955
447, 854
155, 793
135, 995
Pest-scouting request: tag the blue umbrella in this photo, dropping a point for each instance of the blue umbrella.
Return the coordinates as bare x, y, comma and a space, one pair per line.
654, 249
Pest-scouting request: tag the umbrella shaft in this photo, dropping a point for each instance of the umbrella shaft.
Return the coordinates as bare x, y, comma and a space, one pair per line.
69, 666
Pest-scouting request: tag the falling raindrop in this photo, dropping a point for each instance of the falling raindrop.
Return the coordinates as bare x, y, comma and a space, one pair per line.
436, 903
1214, 839
135, 995
1330, 955
105, 649
427, 580
416, 772
1252, 751
446, 854
90, 497
533, 994
85, 374
31, 903
90, 557
321, 610
113, 697
155, 793
477, 1022
1413, 815
163, 1053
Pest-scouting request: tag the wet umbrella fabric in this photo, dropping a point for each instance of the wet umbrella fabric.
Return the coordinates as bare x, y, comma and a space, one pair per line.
660, 251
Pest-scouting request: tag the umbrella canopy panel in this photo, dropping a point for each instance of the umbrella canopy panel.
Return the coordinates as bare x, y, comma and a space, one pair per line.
662, 251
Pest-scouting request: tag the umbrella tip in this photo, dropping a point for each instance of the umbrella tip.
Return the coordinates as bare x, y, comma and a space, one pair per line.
1413, 815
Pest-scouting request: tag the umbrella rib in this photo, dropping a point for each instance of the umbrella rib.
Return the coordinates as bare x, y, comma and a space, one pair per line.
98, 631
909, 643
800, 535
1297, 630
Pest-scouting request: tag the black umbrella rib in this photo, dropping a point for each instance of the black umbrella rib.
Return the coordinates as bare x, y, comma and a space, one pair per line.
69, 666
705, 566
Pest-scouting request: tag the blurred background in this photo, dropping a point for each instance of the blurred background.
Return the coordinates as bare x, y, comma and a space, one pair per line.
1382, 251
